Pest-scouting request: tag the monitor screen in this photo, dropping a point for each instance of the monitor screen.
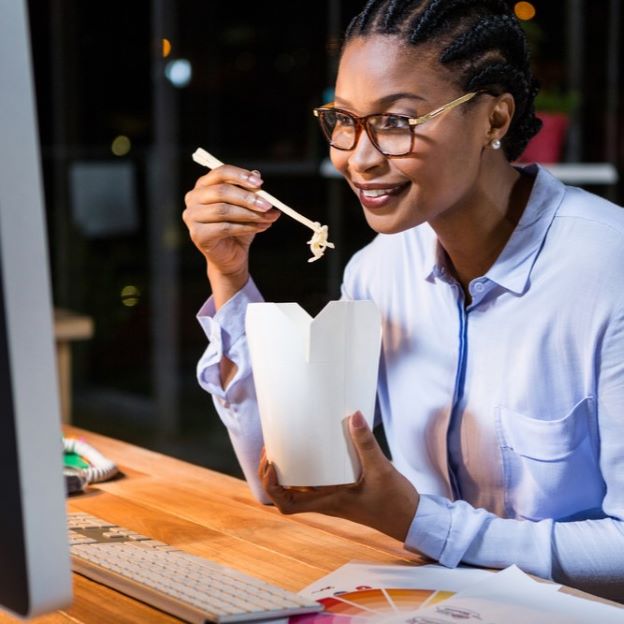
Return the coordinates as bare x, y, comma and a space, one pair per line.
34, 554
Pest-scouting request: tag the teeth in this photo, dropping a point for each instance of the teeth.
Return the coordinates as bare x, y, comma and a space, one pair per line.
376, 192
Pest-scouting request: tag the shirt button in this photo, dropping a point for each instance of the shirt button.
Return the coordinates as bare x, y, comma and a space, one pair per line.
479, 287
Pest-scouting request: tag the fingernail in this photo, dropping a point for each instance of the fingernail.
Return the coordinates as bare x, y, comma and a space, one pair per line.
263, 204
357, 420
254, 179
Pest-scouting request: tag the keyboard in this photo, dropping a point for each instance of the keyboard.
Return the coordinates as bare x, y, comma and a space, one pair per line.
191, 588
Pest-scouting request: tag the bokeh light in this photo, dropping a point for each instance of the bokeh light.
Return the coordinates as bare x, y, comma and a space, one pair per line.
130, 296
121, 145
166, 48
524, 10
179, 72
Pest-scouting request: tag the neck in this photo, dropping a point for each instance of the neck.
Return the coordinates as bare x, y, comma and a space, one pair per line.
474, 234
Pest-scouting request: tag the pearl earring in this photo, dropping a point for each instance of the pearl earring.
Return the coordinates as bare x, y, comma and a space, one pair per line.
495, 144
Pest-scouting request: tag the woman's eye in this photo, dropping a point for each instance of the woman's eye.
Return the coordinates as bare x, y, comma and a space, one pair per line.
393, 122
343, 120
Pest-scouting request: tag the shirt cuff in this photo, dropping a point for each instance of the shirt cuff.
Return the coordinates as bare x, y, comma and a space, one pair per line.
224, 330
227, 325
430, 528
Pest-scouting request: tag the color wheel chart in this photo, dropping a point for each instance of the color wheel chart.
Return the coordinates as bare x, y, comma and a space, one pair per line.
369, 604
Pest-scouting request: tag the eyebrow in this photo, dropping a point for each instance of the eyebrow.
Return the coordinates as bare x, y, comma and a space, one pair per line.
389, 99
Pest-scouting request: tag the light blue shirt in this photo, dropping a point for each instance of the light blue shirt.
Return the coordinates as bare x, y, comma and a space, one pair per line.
507, 414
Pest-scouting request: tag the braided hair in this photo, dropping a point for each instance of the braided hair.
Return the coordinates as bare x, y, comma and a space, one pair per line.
480, 41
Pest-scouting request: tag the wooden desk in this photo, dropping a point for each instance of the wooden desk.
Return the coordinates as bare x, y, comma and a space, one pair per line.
210, 514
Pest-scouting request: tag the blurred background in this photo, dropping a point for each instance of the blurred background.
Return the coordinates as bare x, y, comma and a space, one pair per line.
128, 90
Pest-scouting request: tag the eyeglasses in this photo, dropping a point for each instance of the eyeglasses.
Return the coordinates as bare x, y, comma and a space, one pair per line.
392, 135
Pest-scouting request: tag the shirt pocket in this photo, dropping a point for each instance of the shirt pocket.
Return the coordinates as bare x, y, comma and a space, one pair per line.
550, 467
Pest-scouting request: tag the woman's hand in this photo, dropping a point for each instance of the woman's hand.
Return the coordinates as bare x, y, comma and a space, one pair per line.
382, 498
223, 215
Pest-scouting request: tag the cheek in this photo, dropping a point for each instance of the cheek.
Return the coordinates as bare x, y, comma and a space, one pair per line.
440, 177
339, 159
441, 163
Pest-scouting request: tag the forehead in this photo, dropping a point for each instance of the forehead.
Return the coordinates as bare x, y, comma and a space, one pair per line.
376, 66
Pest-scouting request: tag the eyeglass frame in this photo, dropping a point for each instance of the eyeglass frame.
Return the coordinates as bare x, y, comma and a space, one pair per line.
362, 122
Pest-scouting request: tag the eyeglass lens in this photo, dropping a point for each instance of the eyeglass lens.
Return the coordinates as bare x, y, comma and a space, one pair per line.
391, 133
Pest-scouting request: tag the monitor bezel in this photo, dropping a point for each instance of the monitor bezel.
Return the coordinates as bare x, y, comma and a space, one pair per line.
34, 508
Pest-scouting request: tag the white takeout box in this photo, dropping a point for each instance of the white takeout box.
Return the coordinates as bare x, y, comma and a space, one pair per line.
310, 375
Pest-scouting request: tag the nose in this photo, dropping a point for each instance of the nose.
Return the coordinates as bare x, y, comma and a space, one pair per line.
365, 156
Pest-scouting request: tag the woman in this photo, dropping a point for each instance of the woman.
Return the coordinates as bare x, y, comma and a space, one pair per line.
501, 384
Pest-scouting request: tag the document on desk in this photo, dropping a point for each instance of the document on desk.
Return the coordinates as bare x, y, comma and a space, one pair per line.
512, 597
355, 576
368, 592
433, 594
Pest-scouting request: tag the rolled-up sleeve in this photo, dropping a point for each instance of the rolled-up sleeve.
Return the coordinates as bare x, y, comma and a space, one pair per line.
236, 404
225, 331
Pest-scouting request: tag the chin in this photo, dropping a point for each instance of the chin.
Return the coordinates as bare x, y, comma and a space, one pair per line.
390, 223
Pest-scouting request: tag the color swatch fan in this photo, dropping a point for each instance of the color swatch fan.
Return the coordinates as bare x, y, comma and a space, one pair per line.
369, 604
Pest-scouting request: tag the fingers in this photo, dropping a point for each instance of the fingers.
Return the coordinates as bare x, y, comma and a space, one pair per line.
298, 500
225, 197
207, 227
230, 194
230, 174
228, 185
370, 453
262, 464
223, 211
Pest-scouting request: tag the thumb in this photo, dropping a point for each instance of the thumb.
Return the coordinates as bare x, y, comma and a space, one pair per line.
366, 445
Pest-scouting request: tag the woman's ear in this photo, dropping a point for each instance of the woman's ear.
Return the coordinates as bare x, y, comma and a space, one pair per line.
501, 114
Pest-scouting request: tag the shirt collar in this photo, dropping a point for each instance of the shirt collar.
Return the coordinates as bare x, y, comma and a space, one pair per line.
512, 268
435, 256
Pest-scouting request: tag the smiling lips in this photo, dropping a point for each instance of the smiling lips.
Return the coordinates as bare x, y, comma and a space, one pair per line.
378, 195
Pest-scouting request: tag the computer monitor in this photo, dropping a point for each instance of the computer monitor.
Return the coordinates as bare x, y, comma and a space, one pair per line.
34, 553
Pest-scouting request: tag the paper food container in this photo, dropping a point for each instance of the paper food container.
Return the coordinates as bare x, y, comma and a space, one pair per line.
310, 375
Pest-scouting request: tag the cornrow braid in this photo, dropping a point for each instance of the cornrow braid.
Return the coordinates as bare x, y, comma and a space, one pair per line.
360, 23
524, 88
433, 18
393, 14
480, 41
486, 34
524, 124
